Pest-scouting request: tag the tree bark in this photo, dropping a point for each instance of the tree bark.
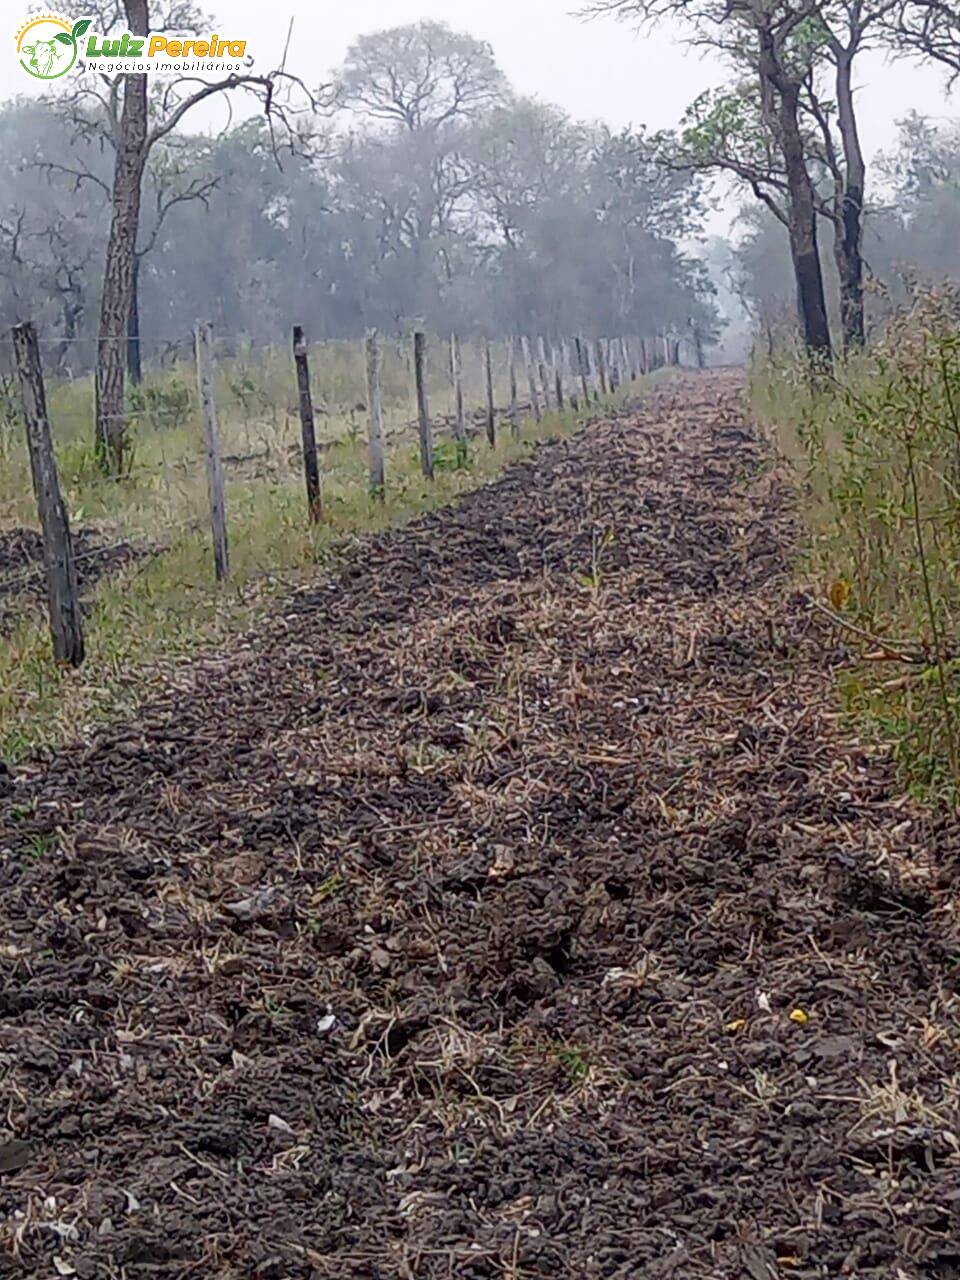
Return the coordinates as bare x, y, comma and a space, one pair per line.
781, 96
134, 362
848, 239
804, 246
131, 154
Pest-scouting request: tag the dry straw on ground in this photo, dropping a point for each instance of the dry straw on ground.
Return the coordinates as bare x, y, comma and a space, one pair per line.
458, 923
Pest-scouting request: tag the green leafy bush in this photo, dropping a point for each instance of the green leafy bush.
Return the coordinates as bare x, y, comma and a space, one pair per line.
164, 406
451, 455
877, 442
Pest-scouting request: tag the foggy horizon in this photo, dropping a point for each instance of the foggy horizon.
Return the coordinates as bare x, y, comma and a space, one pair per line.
594, 69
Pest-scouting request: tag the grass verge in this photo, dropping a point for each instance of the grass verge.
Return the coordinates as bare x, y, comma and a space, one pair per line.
876, 445
149, 618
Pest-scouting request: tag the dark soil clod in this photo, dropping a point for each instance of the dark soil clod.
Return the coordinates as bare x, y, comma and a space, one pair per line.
508, 907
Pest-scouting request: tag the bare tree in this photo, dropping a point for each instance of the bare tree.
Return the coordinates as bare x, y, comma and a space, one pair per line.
14, 265
66, 276
45, 257
422, 76
432, 85
929, 29
524, 155
169, 178
135, 123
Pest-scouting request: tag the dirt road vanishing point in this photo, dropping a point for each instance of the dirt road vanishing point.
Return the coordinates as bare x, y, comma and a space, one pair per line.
515, 905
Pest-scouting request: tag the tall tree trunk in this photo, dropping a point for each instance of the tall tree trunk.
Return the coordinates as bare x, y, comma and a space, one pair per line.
134, 363
131, 154
804, 247
698, 351
848, 241
781, 96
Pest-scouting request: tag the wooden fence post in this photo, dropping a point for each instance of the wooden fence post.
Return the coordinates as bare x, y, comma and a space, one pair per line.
570, 374
590, 356
63, 601
456, 369
542, 370
311, 467
531, 379
514, 410
601, 367
582, 366
613, 361
423, 409
215, 487
491, 411
630, 357
558, 374
376, 450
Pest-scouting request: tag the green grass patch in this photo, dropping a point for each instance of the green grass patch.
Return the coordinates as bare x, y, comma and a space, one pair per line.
165, 609
876, 448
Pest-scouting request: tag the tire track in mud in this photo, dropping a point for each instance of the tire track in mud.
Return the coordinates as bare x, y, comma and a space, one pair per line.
452, 924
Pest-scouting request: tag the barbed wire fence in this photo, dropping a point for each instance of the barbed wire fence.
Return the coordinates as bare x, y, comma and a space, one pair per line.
285, 410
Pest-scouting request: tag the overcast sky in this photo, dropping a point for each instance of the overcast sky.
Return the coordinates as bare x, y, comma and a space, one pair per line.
595, 70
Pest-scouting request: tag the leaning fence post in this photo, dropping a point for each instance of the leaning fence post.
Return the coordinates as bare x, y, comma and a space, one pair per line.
491, 410
531, 379
203, 335
63, 600
456, 369
423, 409
512, 361
378, 475
311, 467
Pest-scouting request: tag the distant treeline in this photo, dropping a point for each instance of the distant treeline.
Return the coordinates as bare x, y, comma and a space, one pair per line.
430, 195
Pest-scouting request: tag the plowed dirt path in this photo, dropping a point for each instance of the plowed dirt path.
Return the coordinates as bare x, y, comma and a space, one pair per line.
452, 926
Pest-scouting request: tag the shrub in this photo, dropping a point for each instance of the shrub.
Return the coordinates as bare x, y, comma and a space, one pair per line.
878, 444
164, 406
